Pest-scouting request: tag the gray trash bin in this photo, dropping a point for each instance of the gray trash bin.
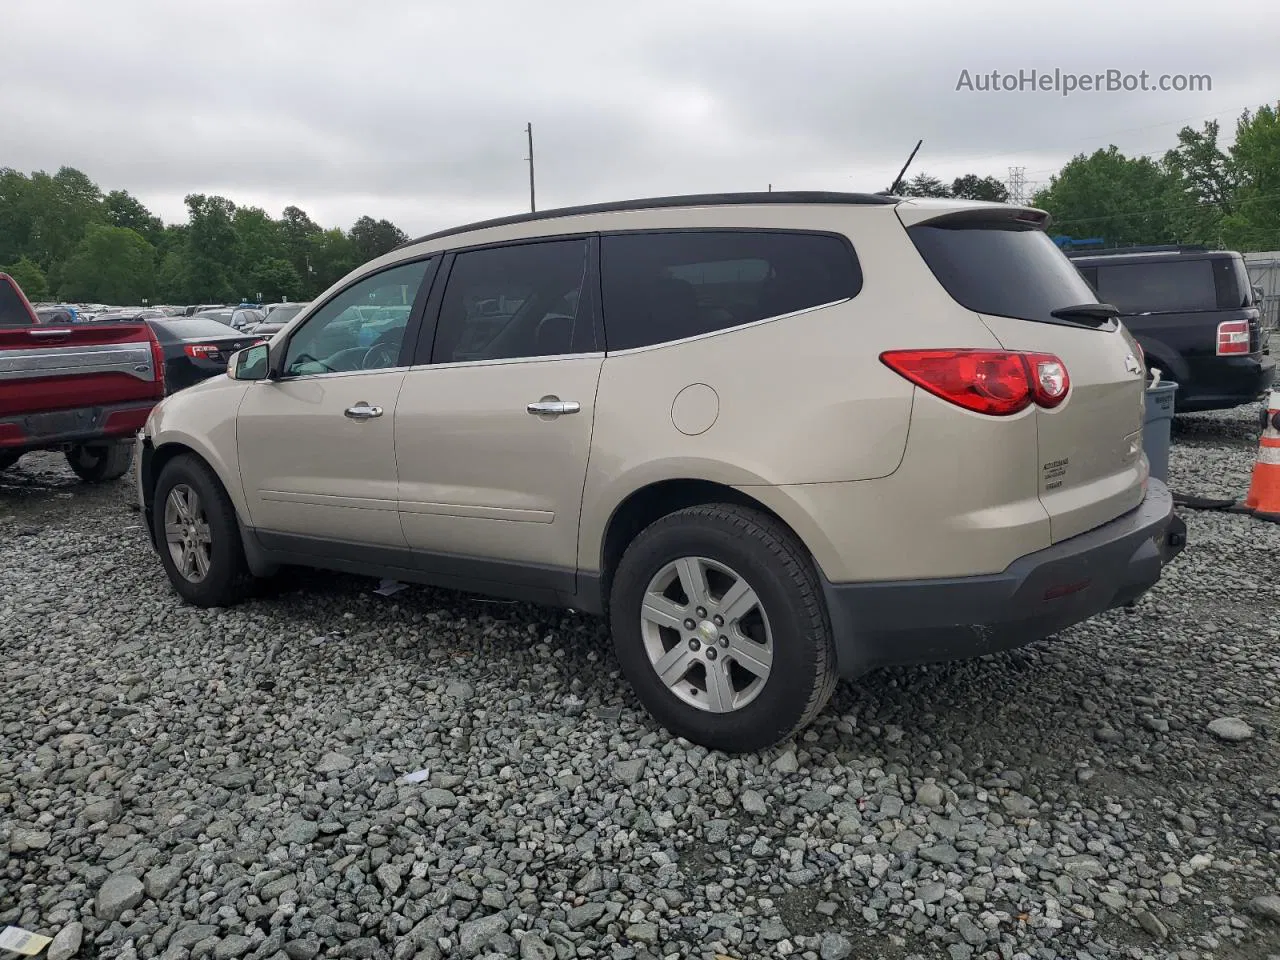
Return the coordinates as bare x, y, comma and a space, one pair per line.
1157, 423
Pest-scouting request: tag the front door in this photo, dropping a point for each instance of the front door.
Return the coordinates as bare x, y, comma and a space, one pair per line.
493, 428
317, 444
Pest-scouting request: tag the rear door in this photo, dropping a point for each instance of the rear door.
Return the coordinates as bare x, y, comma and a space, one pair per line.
493, 428
1001, 264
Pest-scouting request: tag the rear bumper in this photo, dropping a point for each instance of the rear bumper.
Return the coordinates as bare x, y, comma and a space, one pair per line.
1226, 382
44, 431
877, 624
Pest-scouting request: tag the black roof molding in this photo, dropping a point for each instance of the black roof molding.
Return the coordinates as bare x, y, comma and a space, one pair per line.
654, 203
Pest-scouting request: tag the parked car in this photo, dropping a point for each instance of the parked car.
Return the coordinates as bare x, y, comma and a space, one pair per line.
56, 313
1195, 313
775, 438
196, 348
83, 389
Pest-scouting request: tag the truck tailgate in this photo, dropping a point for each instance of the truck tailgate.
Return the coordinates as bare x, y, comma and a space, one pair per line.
48, 369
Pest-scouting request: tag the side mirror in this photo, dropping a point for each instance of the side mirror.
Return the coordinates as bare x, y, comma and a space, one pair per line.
251, 363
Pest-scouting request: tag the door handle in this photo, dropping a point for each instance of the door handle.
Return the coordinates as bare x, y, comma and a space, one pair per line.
362, 411
553, 408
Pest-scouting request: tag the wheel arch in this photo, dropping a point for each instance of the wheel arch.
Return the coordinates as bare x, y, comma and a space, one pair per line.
659, 498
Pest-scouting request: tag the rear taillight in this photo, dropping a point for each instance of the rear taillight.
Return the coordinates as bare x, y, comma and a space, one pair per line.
998, 383
157, 360
1233, 338
199, 351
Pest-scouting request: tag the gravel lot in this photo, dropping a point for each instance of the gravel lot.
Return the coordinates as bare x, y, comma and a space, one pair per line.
179, 783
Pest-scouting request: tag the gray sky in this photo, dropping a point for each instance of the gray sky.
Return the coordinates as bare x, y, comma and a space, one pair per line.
414, 110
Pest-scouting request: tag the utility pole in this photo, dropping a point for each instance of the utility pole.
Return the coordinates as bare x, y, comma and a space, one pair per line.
533, 206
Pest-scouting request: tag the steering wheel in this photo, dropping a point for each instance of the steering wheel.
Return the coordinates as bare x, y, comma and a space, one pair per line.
383, 354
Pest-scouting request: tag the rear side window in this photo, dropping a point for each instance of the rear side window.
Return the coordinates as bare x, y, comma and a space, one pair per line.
660, 287
14, 311
1002, 269
1170, 286
1231, 280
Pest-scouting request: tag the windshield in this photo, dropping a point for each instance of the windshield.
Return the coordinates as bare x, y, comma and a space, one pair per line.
1002, 269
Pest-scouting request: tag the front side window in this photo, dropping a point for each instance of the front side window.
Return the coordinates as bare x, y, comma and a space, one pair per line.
1171, 286
660, 287
525, 300
14, 310
362, 328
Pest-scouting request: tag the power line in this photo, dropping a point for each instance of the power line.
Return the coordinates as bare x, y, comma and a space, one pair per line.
1167, 209
1101, 136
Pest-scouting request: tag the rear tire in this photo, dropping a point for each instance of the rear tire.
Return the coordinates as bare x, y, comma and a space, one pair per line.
100, 462
8, 458
194, 518
759, 674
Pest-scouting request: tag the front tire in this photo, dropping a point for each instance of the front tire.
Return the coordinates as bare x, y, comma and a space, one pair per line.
719, 625
197, 535
100, 462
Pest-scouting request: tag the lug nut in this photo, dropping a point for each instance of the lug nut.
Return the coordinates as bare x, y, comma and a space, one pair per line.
724, 642
718, 620
689, 624
711, 653
702, 612
694, 645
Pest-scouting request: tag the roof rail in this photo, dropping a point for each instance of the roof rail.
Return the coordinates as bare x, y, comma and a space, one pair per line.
1152, 248
651, 203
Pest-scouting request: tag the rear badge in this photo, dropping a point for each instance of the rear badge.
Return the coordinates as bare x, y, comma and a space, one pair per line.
1055, 472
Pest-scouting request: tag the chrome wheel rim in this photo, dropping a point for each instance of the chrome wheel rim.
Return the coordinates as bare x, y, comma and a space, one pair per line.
706, 634
186, 531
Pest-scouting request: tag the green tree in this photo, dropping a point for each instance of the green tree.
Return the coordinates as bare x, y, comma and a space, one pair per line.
1127, 200
923, 185
124, 210
62, 206
110, 265
973, 187
261, 241
332, 256
212, 250
275, 279
1254, 220
16, 209
29, 277
373, 238
299, 232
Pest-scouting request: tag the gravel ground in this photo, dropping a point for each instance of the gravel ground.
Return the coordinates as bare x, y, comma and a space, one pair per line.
181, 783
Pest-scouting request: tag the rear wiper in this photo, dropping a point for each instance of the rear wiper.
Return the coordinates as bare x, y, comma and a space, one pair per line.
1086, 311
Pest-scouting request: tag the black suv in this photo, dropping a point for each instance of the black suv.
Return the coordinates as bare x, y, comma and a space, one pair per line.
1194, 312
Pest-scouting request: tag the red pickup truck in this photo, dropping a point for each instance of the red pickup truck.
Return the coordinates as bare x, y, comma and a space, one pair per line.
81, 388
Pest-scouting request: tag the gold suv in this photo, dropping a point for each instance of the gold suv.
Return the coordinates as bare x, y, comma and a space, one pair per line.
774, 438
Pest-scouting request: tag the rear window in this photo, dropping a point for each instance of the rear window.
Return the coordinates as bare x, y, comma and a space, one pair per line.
1002, 269
191, 328
1170, 286
283, 315
660, 287
14, 311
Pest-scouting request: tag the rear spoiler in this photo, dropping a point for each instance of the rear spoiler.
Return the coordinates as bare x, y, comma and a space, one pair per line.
15, 308
971, 213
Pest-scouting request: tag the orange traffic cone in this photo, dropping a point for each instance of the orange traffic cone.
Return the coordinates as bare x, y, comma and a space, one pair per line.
1264, 490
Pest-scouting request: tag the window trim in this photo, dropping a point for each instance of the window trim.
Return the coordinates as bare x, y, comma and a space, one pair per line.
788, 231
414, 320
424, 343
